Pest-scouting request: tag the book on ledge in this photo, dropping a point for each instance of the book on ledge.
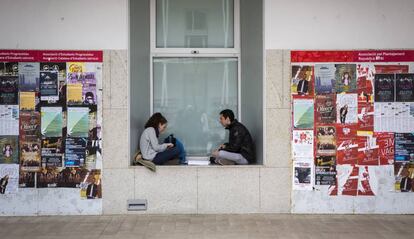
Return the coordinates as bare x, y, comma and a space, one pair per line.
198, 161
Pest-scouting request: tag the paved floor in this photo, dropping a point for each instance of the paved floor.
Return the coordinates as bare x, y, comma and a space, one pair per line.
210, 226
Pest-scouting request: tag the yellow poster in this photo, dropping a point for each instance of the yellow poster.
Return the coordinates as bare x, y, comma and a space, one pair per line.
74, 93
76, 67
27, 100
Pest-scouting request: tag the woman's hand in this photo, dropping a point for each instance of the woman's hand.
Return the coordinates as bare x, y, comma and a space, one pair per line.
170, 145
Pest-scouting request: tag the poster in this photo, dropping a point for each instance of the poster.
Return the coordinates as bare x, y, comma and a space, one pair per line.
404, 88
365, 116
52, 121
27, 101
394, 117
391, 69
29, 126
384, 88
9, 69
367, 149
325, 78
404, 176
29, 76
347, 180
303, 113
365, 82
9, 178
52, 152
302, 80
91, 185
30, 155
74, 94
325, 109
71, 177
78, 122
386, 146
26, 179
76, 67
346, 108
345, 78
303, 175
9, 90
325, 175
302, 145
89, 89
404, 147
60, 69
75, 152
325, 140
9, 150
48, 177
347, 151
9, 120
325, 160
49, 86
367, 181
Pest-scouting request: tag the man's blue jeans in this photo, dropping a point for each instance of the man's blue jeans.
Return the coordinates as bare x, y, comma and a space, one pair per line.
168, 154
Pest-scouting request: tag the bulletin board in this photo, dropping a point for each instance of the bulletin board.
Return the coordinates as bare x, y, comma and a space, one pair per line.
353, 121
50, 120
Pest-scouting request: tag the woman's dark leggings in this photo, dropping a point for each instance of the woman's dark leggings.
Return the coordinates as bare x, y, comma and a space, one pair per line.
168, 154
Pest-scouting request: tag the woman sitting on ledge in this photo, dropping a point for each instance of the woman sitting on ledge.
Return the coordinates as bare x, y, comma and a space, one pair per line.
150, 148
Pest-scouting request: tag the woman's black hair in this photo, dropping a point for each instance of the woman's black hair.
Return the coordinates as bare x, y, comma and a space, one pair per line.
155, 120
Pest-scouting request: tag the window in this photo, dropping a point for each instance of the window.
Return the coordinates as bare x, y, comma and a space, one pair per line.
195, 71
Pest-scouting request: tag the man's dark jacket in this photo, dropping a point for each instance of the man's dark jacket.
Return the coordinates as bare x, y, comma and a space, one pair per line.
240, 141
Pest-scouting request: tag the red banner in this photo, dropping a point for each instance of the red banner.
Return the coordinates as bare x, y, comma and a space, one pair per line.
50, 56
353, 56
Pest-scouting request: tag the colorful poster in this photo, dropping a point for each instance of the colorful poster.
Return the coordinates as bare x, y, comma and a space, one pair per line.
325, 141
386, 146
76, 67
404, 147
48, 177
365, 82
365, 116
347, 149
71, 177
367, 183
49, 86
325, 109
29, 76
91, 185
325, 175
9, 150
30, 156
404, 87
29, 126
9, 90
346, 108
78, 122
60, 69
303, 175
404, 176
89, 89
367, 149
394, 117
52, 152
52, 121
27, 101
9, 69
9, 178
302, 143
384, 87
74, 94
26, 179
345, 78
303, 113
75, 152
325, 78
9, 120
302, 80
325, 160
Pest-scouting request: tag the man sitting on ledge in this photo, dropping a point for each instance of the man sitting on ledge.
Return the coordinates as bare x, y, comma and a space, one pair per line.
240, 147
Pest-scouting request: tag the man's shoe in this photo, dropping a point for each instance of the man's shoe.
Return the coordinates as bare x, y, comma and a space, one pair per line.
225, 162
148, 164
212, 160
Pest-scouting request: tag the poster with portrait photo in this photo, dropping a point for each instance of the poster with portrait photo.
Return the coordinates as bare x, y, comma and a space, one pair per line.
325, 78
346, 108
302, 143
9, 149
404, 176
30, 155
91, 185
53, 152
404, 147
325, 109
303, 113
345, 78
325, 175
325, 141
89, 89
303, 175
9, 178
9, 120
384, 85
75, 152
9, 90
404, 87
49, 86
302, 80
29, 76
386, 147
9, 69
365, 82
71, 177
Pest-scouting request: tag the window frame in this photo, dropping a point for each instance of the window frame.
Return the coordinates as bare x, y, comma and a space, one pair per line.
234, 52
